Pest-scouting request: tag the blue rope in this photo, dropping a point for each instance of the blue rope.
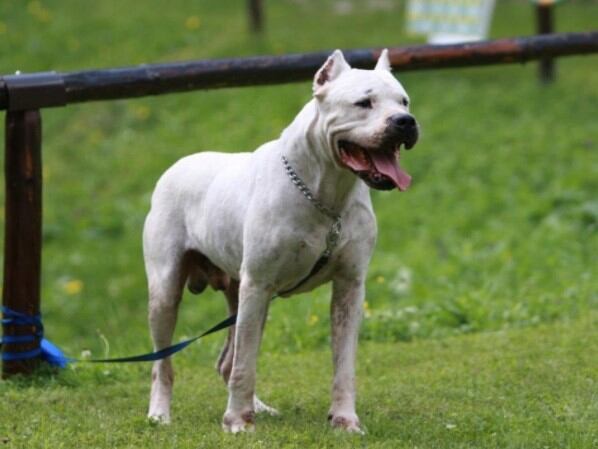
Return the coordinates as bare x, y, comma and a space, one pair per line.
8, 356
54, 356
46, 350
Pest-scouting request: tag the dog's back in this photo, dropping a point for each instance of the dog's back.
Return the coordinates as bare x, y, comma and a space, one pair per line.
190, 177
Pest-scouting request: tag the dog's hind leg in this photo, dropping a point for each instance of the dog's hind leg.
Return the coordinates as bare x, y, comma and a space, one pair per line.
165, 294
166, 272
224, 363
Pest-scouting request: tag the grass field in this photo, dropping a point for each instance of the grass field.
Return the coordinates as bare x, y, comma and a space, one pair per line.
496, 238
532, 388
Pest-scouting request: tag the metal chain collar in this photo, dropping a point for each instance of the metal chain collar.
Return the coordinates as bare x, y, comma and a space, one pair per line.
334, 233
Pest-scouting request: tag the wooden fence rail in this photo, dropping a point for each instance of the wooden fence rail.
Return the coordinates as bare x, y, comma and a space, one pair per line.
22, 96
155, 79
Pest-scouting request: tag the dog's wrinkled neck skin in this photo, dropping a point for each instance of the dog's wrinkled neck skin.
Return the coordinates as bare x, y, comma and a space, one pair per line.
309, 152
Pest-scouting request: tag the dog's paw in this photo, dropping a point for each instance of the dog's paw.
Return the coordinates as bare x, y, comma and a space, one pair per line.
158, 418
239, 422
261, 407
349, 422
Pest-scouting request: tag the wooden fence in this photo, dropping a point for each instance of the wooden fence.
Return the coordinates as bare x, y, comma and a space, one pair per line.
24, 95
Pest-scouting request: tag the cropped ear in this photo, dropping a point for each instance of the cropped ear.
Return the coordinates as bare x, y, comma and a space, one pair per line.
332, 68
383, 61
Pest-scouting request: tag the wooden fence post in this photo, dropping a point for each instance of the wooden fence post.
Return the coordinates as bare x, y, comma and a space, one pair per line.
255, 8
23, 233
545, 25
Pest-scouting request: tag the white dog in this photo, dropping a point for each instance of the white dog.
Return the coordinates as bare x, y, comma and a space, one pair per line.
282, 220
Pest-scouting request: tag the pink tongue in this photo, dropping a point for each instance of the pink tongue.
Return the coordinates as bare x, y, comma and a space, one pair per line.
386, 164
356, 160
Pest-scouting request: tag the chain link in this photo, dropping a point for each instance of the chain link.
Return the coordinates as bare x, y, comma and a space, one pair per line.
334, 233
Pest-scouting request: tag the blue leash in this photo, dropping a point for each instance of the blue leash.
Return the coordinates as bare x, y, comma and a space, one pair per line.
53, 355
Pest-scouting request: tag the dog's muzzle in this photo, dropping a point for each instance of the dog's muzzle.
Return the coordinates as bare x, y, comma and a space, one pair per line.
379, 167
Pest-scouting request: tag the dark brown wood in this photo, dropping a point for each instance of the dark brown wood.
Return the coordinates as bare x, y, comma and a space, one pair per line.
23, 232
545, 25
3, 94
35, 91
255, 9
157, 79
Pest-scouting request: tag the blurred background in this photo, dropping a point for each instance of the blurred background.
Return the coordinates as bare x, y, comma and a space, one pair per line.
497, 231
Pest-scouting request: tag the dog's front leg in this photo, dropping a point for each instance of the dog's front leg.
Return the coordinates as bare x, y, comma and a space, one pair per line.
346, 312
253, 308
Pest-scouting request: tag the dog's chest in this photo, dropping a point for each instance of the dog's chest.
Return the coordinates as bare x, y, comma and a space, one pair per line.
314, 261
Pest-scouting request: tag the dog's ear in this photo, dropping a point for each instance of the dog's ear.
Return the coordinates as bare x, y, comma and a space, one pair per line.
332, 68
383, 61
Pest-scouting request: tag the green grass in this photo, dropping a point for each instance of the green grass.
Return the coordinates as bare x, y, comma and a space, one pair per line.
526, 389
497, 233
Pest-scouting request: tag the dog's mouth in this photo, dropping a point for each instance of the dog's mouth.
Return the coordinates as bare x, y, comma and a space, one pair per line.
378, 167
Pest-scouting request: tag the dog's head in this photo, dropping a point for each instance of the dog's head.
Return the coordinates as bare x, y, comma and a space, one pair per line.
366, 120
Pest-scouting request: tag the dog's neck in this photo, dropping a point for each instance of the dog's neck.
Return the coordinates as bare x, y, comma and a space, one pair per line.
307, 150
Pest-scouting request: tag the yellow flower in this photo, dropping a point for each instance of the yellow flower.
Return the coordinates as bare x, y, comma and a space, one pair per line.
313, 319
95, 136
39, 11
192, 23
73, 287
73, 44
141, 112
380, 280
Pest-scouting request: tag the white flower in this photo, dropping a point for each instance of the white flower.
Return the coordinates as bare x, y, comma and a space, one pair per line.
401, 283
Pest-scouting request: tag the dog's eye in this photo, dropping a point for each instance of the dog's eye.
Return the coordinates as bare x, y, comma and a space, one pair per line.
405, 102
366, 103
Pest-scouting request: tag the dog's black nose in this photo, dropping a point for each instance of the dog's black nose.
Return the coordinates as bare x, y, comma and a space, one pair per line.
402, 127
403, 122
